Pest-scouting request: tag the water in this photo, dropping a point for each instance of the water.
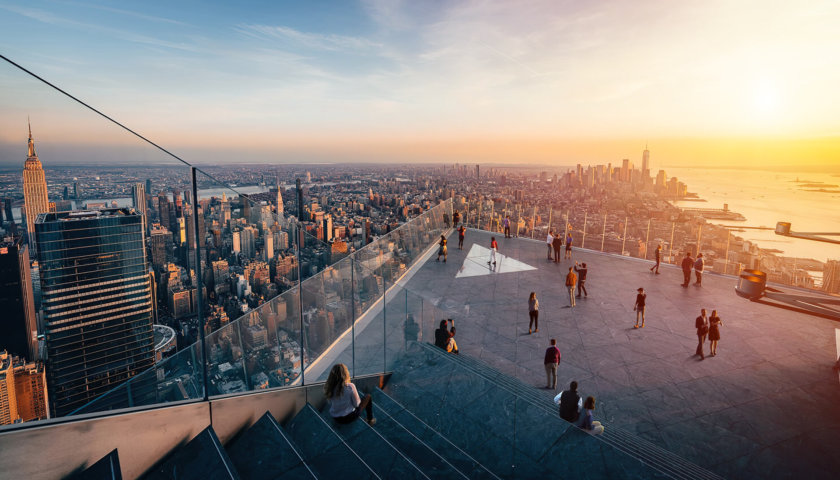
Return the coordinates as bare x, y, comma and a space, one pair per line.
765, 198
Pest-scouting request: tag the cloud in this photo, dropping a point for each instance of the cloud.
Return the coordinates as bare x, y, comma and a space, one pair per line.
315, 41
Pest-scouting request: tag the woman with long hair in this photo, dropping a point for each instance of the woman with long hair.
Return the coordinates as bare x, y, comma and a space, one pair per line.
343, 398
442, 249
533, 312
587, 424
714, 331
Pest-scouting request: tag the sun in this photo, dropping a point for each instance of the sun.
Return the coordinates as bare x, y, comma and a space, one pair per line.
766, 97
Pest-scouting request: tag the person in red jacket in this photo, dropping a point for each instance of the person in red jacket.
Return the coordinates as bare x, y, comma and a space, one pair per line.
552, 361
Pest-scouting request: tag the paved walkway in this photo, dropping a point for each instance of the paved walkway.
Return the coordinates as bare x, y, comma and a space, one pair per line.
767, 406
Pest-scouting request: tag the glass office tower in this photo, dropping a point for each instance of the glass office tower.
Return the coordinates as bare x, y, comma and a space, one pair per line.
96, 300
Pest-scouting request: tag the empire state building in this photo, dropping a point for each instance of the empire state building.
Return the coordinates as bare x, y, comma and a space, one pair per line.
34, 190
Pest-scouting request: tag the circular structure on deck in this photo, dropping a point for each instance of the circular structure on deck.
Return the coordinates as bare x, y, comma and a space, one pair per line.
165, 342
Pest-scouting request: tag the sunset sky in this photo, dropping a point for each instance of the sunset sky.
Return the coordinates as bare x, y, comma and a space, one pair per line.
703, 83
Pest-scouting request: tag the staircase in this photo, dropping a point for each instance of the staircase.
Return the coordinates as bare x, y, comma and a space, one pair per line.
440, 416
662, 460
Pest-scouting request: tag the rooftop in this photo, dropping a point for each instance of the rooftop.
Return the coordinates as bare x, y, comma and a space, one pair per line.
768, 405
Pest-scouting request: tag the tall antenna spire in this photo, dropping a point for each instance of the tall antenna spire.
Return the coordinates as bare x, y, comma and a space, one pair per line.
31, 143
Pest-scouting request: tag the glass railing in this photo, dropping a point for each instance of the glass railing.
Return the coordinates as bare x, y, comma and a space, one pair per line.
342, 313
638, 232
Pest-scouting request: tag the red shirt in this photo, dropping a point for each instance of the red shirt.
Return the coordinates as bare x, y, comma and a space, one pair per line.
493, 244
552, 354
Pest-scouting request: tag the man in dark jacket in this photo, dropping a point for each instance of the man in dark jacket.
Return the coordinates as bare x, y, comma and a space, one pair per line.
581, 286
551, 362
687, 266
570, 404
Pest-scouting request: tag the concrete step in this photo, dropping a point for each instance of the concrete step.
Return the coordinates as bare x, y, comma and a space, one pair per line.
323, 449
202, 458
265, 451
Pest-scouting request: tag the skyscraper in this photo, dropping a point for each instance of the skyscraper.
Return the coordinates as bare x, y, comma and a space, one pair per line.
97, 311
34, 189
280, 208
646, 162
138, 196
18, 329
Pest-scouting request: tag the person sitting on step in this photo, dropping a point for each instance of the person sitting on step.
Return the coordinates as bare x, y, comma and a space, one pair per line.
343, 398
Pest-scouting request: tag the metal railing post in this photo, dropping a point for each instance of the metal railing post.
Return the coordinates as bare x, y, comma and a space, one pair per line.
353, 313
199, 299
298, 236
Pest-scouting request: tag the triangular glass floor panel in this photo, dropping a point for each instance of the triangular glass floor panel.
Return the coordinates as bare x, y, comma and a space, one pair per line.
476, 263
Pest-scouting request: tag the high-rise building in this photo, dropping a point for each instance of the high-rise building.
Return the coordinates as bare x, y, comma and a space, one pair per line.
625, 170
268, 252
34, 189
30, 389
8, 399
280, 208
18, 323
646, 162
164, 211
299, 193
328, 228
160, 246
97, 311
138, 196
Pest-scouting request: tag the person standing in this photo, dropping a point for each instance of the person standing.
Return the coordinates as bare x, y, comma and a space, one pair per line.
456, 218
658, 252
571, 280
698, 269
570, 403
558, 244
639, 307
533, 313
442, 249
493, 247
587, 424
549, 240
569, 246
446, 219
552, 361
506, 223
687, 265
461, 231
702, 325
581, 286
714, 332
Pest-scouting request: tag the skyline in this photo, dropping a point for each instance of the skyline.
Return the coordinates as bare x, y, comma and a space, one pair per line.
477, 82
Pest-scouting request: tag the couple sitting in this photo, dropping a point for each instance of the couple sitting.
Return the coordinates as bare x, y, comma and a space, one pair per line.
445, 337
570, 406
